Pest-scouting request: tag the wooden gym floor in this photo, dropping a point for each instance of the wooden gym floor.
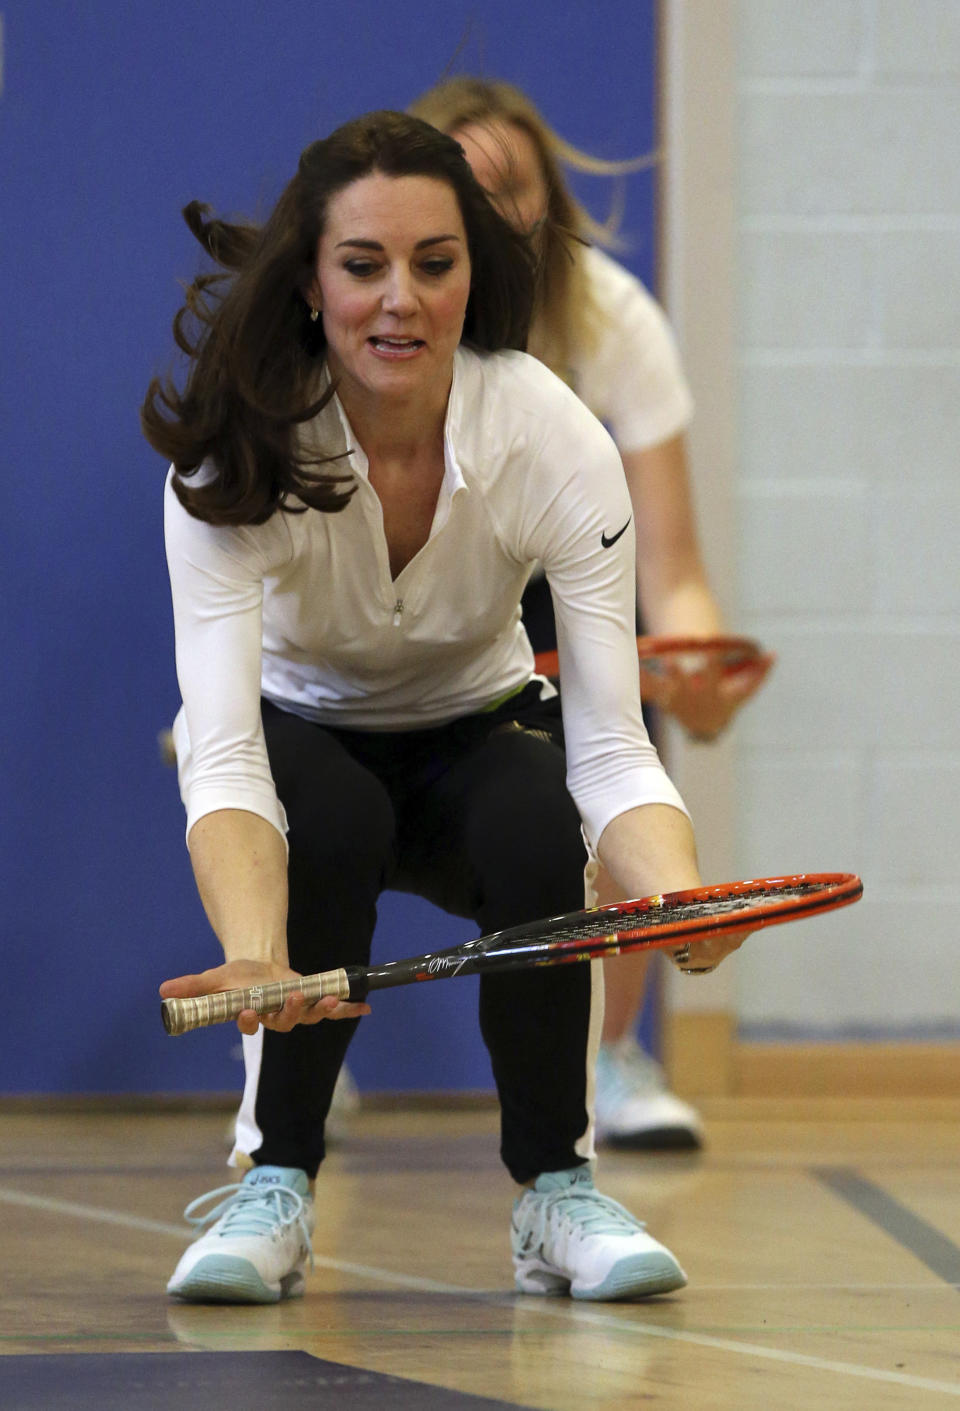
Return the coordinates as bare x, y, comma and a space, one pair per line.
822, 1241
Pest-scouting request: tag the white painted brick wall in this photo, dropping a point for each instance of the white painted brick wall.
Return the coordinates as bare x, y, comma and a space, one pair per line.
923, 584
917, 39
839, 417
849, 503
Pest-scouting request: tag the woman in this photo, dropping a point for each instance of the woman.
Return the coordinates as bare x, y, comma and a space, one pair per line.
363, 475
598, 328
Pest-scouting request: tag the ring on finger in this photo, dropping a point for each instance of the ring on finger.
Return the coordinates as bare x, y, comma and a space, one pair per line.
681, 959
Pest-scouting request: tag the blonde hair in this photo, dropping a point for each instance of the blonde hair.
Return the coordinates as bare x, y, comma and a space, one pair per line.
566, 317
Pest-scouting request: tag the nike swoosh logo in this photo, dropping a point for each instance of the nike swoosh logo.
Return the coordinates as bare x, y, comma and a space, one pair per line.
608, 543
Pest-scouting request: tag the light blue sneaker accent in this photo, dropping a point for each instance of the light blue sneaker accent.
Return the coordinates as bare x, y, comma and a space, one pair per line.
257, 1243
567, 1238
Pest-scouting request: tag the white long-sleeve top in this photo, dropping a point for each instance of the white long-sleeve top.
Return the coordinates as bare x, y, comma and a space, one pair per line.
303, 608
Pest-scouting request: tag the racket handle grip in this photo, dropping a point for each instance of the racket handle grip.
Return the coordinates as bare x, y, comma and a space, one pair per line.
181, 1015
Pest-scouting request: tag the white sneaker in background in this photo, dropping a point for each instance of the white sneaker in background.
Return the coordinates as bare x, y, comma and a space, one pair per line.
634, 1107
344, 1105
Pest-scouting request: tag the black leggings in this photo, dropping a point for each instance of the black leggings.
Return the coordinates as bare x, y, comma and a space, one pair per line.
475, 817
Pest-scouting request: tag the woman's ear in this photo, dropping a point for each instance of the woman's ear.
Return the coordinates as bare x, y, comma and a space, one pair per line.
311, 295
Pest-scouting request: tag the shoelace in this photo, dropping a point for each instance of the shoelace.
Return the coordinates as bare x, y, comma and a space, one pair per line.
251, 1210
584, 1208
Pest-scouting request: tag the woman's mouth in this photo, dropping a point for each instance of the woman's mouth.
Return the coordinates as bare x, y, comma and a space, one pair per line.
395, 347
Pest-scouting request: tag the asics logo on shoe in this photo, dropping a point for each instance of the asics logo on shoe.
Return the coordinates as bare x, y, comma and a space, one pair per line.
525, 1241
608, 543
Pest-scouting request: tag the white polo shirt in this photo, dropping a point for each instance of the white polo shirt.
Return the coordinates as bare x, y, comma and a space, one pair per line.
632, 378
303, 608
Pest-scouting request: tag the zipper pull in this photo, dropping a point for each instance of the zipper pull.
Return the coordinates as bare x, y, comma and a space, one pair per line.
397, 612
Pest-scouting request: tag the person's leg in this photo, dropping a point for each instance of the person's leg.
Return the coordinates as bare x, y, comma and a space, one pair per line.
627, 977
341, 841
521, 834
635, 1108
341, 837
503, 840
497, 838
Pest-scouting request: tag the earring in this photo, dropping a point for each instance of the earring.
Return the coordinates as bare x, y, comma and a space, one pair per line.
314, 314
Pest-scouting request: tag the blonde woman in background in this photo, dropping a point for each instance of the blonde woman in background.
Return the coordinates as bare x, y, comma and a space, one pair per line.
597, 327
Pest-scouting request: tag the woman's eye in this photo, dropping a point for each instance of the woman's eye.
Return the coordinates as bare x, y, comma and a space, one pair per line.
361, 268
437, 264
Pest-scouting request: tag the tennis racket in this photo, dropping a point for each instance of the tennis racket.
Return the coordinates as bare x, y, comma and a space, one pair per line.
673, 920
689, 655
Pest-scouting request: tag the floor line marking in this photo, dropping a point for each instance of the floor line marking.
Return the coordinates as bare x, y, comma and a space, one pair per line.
797, 1359
183, 1232
923, 1240
92, 1212
570, 1311
821, 1288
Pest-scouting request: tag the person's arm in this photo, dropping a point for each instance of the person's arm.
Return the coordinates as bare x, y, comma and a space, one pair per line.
672, 586
674, 595
651, 849
632, 815
240, 865
235, 821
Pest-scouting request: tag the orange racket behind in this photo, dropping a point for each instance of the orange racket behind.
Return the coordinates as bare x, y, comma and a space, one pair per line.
687, 654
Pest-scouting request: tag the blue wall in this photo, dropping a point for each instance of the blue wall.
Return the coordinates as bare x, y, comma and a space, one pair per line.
112, 117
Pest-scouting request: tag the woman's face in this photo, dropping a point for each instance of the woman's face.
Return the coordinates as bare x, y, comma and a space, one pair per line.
392, 282
505, 161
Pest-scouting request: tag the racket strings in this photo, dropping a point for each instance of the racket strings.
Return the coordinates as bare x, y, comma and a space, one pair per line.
610, 922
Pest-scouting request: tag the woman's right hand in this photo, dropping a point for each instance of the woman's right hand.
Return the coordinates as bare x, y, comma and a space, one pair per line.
240, 975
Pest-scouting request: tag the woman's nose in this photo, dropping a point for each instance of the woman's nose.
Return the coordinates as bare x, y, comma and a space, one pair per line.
399, 297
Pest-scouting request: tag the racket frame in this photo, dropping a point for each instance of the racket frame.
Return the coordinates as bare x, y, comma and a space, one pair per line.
735, 652
538, 943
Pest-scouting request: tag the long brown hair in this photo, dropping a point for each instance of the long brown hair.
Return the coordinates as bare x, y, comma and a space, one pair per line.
255, 354
565, 318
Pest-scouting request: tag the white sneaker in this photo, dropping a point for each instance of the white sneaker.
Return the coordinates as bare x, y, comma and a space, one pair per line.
634, 1106
568, 1238
344, 1105
257, 1244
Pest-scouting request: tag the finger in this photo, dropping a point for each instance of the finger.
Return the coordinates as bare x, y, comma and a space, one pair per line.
324, 1004
186, 986
287, 1018
703, 715
248, 1022
348, 1010
297, 1010
328, 1007
706, 675
716, 948
703, 957
333, 1008
659, 688
741, 684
